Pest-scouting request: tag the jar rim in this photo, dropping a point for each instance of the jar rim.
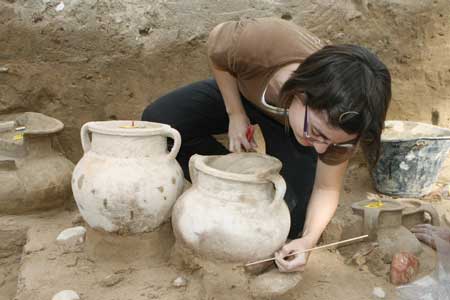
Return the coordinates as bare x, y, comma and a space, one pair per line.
262, 175
127, 128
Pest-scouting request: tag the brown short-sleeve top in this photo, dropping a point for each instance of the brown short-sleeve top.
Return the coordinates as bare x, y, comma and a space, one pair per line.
253, 50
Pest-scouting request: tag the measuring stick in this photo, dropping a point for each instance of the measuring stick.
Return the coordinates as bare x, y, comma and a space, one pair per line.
309, 250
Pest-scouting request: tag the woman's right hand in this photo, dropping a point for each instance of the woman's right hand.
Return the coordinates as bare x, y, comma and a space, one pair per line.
237, 129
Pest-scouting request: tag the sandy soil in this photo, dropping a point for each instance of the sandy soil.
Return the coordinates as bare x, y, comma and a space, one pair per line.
142, 267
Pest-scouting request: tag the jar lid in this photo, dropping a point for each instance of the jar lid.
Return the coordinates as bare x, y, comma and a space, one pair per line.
36, 123
387, 205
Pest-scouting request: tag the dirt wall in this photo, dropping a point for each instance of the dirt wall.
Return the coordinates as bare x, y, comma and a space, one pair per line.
107, 59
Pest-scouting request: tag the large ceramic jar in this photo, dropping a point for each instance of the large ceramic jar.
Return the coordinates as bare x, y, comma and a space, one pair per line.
234, 211
126, 180
34, 174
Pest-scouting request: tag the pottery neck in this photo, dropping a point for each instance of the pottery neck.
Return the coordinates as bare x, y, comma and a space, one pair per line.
38, 145
129, 146
248, 193
390, 219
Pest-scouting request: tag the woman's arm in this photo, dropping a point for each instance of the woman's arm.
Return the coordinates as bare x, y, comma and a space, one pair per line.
321, 208
324, 199
238, 120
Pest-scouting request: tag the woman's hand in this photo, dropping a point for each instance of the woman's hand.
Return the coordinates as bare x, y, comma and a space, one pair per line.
237, 129
296, 262
427, 233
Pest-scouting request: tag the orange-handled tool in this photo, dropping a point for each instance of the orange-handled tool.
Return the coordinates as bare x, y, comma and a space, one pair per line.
249, 133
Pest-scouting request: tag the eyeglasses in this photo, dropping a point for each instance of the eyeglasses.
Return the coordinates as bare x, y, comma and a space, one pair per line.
313, 139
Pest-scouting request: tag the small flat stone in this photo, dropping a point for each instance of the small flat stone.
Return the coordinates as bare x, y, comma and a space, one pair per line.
72, 235
180, 282
4, 70
66, 295
379, 293
111, 280
72, 239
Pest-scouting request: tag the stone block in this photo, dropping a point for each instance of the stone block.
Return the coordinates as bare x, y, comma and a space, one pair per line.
72, 239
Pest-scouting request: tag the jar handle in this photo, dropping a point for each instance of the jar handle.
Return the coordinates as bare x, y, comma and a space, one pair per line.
371, 216
175, 135
433, 213
425, 208
85, 140
280, 188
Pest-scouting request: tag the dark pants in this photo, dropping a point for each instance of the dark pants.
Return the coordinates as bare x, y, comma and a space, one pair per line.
197, 111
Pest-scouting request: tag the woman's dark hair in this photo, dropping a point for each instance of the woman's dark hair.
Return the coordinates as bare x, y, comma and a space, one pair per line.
348, 82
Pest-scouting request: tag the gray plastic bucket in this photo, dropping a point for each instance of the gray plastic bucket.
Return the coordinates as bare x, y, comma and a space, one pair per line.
411, 156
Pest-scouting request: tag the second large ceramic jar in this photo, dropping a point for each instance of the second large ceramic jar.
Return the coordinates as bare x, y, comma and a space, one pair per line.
234, 211
34, 175
127, 181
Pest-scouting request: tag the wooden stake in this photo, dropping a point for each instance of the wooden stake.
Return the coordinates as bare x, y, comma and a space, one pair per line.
309, 250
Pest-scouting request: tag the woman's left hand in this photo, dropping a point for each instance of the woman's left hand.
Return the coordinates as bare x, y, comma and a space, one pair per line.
297, 262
